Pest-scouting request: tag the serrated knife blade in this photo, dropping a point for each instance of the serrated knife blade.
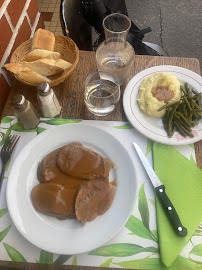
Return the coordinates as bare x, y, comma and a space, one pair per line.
160, 192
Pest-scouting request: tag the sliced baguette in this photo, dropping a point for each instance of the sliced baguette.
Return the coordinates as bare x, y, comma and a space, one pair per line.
39, 54
43, 39
48, 67
63, 64
26, 74
44, 66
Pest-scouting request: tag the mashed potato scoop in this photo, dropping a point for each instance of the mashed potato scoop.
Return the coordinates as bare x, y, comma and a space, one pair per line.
157, 90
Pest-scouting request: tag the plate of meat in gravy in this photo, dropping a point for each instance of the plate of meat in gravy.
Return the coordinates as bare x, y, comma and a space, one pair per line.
71, 189
164, 104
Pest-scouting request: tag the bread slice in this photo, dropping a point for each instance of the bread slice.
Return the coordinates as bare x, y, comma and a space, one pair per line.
48, 67
44, 66
43, 39
39, 54
26, 74
63, 64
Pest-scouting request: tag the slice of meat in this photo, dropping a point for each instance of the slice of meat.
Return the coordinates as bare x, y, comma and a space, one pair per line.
54, 200
48, 169
82, 162
93, 199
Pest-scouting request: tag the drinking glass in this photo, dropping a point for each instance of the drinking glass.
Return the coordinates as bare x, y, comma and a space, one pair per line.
102, 92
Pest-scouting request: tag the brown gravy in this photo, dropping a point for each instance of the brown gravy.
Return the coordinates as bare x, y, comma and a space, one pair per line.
78, 161
162, 93
56, 194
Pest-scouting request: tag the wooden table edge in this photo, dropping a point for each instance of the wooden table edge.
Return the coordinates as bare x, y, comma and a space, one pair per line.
198, 149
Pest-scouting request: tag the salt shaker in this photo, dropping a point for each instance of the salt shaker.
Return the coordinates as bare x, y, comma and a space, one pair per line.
25, 112
48, 101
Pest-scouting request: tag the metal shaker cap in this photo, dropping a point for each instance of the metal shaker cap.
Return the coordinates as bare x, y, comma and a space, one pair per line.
19, 100
43, 89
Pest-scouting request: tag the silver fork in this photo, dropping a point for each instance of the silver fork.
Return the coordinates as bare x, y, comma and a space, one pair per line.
6, 153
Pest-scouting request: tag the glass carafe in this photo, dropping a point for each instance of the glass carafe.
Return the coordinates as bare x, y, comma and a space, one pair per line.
115, 54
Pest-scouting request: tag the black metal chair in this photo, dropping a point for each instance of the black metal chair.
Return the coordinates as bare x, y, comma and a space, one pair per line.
77, 25
74, 25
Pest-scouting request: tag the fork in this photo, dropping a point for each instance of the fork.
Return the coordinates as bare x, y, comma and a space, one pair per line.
6, 153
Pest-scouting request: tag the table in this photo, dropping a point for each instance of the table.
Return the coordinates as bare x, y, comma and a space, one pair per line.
70, 95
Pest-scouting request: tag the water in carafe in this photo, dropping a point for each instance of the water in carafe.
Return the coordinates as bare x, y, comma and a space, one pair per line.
115, 54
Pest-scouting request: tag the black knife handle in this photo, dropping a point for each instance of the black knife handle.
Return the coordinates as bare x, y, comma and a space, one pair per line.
170, 211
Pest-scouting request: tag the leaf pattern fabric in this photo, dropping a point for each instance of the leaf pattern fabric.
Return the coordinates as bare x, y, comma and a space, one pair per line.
135, 246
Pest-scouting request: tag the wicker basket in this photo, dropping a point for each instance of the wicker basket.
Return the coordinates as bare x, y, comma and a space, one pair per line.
64, 45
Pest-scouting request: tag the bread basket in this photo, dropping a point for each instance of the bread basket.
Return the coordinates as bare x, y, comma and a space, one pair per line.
64, 45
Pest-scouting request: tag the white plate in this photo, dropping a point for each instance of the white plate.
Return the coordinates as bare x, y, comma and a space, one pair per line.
153, 127
70, 236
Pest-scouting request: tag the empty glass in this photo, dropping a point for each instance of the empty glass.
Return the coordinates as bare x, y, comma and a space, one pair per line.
102, 92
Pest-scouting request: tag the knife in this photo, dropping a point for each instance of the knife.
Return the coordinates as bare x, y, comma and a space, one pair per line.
160, 192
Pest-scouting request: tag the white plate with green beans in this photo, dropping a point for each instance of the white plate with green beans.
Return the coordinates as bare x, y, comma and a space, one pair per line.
182, 127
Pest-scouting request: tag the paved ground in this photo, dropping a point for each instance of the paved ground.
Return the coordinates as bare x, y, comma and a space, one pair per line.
176, 25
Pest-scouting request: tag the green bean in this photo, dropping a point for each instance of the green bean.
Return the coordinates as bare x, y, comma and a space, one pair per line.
183, 89
181, 108
165, 120
197, 111
198, 102
183, 114
186, 87
165, 123
167, 105
187, 103
189, 92
194, 91
198, 99
197, 114
182, 129
190, 116
188, 128
183, 118
193, 103
198, 96
194, 123
170, 120
164, 107
197, 106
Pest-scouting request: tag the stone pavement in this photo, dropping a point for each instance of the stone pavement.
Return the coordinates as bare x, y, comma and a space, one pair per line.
176, 25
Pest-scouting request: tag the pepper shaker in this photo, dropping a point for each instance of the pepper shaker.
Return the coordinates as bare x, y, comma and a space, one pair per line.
25, 112
48, 101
